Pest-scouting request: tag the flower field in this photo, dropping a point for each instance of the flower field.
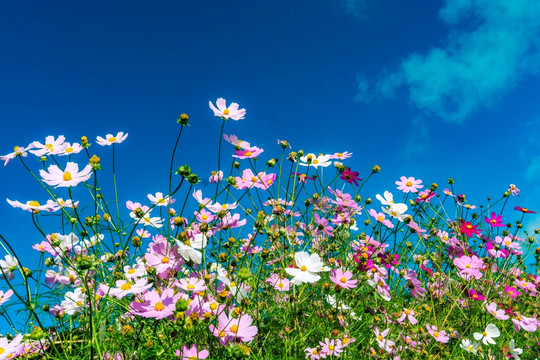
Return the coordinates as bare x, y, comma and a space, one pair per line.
280, 257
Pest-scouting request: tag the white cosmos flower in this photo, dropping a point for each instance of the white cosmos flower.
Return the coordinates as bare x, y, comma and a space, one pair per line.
9, 265
488, 335
315, 161
189, 250
74, 302
308, 267
391, 208
469, 346
515, 352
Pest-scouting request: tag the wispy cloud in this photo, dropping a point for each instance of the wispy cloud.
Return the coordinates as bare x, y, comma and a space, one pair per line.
475, 66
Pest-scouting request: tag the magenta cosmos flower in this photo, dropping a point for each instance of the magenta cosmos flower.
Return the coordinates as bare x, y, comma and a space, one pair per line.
109, 139
524, 210
409, 184
343, 279
468, 229
232, 112
350, 176
71, 176
495, 220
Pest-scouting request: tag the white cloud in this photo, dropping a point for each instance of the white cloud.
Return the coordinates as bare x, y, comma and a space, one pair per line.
475, 67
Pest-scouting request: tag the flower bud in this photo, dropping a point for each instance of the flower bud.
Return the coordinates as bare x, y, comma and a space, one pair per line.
231, 181
183, 119
451, 181
236, 165
376, 169
271, 162
136, 241
368, 201
193, 179
183, 171
84, 142
300, 153
243, 274
95, 162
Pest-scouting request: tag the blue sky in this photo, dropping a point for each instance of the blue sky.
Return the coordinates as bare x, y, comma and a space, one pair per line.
430, 89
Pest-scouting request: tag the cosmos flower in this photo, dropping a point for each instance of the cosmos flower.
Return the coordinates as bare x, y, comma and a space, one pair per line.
70, 176
343, 279
315, 161
109, 139
232, 112
350, 176
524, 210
52, 146
17, 151
409, 184
307, 268
488, 335
468, 229
192, 353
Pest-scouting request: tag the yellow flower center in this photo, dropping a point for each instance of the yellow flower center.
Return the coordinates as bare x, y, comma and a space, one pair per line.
343, 279
408, 312
205, 217
380, 337
468, 266
248, 153
226, 112
468, 226
49, 147
234, 329
69, 149
126, 286
339, 154
524, 209
315, 161
159, 306
112, 139
330, 347
281, 285
409, 183
165, 260
190, 287
79, 303
213, 306
221, 333
436, 334
33, 203
380, 218
131, 271
484, 333
253, 179
224, 206
303, 268
67, 176
510, 293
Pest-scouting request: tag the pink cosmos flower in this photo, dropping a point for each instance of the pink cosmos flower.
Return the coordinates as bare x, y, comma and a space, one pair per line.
109, 139
249, 153
249, 180
408, 313
331, 347
469, 266
163, 257
11, 348
67, 178
381, 218
511, 291
32, 206
159, 200
441, 336
322, 225
529, 324
126, 287
70, 149
17, 151
232, 112
193, 284
495, 220
341, 156
204, 216
230, 328
513, 190
279, 283
51, 146
409, 184
343, 279
192, 353
155, 305
384, 343
4, 297
215, 177
425, 196
498, 314
508, 242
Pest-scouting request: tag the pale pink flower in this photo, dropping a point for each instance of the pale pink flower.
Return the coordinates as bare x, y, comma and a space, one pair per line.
341, 156
17, 151
51, 146
232, 112
409, 184
32, 206
109, 139
159, 200
331, 347
408, 313
439, 335
155, 305
498, 314
279, 283
193, 284
248, 153
215, 177
70, 176
230, 328
381, 218
5, 296
513, 190
249, 180
192, 353
343, 279
70, 149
